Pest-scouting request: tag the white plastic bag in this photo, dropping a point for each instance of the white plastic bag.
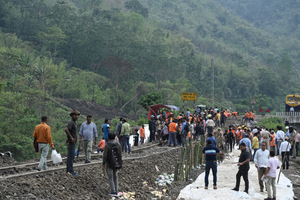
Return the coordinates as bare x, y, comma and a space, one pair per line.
56, 157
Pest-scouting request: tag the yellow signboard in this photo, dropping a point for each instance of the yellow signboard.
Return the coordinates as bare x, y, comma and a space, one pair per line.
189, 96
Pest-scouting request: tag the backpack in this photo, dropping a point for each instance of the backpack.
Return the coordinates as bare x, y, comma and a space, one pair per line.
187, 127
114, 157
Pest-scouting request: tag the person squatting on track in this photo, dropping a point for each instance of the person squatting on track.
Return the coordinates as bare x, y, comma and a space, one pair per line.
71, 131
87, 130
211, 162
101, 146
244, 167
42, 134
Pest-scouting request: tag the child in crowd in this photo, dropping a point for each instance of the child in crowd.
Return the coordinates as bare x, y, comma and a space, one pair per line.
136, 138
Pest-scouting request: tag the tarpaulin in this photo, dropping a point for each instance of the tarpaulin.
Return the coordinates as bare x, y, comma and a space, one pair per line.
153, 109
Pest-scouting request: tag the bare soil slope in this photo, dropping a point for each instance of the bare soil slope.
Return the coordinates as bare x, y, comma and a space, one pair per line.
96, 110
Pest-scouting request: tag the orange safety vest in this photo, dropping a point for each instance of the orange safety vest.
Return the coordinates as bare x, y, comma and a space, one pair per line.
239, 135
272, 140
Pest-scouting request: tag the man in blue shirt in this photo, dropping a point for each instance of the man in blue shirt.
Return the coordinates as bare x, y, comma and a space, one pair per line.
188, 113
247, 142
183, 132
211, 162
216, 109
210, 137
106, 130
87, 130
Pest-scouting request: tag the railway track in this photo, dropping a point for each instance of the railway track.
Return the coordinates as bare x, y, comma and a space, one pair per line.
16, 171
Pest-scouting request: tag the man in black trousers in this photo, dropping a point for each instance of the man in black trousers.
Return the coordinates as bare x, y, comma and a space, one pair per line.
243, 168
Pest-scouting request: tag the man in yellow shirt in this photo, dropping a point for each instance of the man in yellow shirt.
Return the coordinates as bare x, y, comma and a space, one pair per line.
42, 133
218, 118
255, 143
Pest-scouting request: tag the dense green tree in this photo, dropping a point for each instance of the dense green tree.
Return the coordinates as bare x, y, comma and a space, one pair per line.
136, 6
149, 99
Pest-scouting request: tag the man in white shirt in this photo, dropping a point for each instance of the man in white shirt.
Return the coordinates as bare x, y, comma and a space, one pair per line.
279, 138
210, 124
255, 130
284, 151
292, 109
261, 161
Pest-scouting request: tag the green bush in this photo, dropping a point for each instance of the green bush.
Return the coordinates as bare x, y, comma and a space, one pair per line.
272, 123
142, 121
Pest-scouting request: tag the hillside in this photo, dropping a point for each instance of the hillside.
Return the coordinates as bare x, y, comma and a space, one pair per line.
269, 15
112, 54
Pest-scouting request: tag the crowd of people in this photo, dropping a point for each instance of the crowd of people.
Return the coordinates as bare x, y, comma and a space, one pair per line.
257, 144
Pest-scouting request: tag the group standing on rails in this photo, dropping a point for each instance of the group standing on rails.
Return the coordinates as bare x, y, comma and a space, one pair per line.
167, 129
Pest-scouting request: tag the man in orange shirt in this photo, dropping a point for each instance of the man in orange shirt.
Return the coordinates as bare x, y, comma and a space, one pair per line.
142, 134
101, 146
42, 134
172, 133
246, 117
235, 114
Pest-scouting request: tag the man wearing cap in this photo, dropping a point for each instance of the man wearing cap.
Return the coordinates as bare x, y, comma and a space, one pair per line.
151, 128
279, 137
71, 131
211, 162
284, 150
42, 133
88, 130
210, 124
106, 130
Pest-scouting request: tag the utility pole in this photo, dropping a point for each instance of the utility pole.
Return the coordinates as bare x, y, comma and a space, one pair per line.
213, 84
